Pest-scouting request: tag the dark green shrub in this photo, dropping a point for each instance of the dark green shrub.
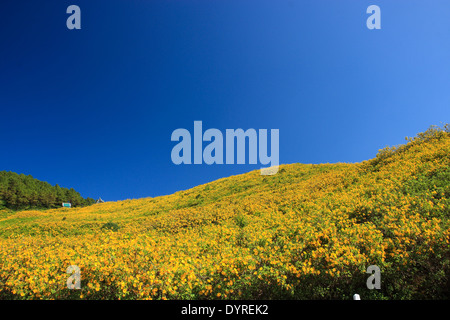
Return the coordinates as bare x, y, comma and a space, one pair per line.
111, 226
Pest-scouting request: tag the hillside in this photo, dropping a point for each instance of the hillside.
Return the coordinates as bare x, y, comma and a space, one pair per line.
308, 232
18, 192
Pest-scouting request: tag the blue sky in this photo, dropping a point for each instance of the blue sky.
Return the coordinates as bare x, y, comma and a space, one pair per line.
94, 109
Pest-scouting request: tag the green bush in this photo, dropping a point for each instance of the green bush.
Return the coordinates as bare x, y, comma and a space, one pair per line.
241, 220
111, 226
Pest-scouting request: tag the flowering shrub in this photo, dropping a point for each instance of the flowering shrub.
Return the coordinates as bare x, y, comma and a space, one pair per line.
308, 232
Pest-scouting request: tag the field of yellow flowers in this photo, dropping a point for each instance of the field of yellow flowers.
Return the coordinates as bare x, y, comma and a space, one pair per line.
308, 232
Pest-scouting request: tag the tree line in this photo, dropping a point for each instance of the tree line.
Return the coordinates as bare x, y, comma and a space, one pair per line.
19, 192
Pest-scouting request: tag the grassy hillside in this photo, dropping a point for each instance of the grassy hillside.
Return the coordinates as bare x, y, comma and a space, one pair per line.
308, 232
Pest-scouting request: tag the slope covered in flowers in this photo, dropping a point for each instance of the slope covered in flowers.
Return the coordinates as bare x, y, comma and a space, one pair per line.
308, 232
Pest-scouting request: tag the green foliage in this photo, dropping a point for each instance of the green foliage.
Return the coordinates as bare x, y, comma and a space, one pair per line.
111, 226
20, 192
241, 220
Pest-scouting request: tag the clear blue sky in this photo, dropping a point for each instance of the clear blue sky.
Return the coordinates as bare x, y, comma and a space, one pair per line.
94, 109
